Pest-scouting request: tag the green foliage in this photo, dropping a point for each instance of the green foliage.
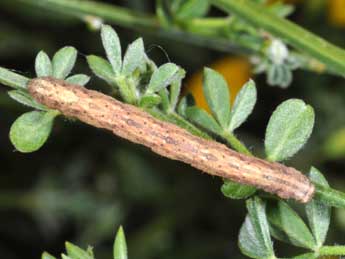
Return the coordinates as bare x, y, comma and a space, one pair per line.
43, 65
288, 129
286, 220
31, 130
120, 246
318, 213
254, 237
63, 62
112, 46
162, 77
234, 190
243, 106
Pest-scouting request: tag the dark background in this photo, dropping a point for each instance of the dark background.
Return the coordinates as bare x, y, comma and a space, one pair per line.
85, 182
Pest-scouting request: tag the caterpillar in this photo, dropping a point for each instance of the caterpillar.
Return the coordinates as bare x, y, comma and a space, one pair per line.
169, 140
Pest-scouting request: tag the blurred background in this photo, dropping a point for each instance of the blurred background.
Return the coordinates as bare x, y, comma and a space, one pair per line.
85, 182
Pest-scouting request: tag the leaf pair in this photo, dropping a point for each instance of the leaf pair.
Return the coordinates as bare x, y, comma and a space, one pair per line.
75, 252
224, 119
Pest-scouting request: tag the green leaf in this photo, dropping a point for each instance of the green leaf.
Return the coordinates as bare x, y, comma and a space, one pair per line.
243, 106
318, 212
31, 130
164, 94
63, 256
12, 79
149, 101
134, 57
120, 246
288, 129
185, 102
203, 119
254, 237
112, 46
43, 65
76, 252
25, 99
46, 255
306, 256
217, 96
175, 89
162, 77
101, 68
79, 79
234, 190
192, 9
63, 62
286, 220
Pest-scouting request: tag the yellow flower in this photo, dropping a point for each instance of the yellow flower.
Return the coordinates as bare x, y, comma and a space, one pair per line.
336, 12
235, 70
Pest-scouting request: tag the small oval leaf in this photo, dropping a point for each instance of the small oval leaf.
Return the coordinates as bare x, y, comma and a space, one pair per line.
112, 46
43, 65
162, 77
287, 220
288, 129
234, 190
134, 57
79, 79
101, 68
12, 79
243, 106
217, 96
254, 237
149, 101
120, 246
203, 119
31, 130
63, 62
25, 99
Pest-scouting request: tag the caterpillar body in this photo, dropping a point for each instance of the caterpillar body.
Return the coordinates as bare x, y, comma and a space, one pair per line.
169, 140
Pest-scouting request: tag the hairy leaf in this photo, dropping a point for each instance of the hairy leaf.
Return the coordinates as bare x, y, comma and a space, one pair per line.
243, 106
112, 46
234, 190
192, 9
79, 79
134, 57
101, 68
203, 119
25, 99
31, 130
217, 96
43, 65
286, 220
12, 79
46, 255
254, 237
63, 62
289, 128
318, 213
162, 77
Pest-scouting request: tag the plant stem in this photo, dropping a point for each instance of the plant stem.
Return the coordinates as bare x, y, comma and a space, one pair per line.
201, 32
235, 143
133, 20
332, 250
332, 56
330, 196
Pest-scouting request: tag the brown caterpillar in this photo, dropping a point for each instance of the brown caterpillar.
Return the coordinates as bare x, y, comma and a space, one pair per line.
168, 140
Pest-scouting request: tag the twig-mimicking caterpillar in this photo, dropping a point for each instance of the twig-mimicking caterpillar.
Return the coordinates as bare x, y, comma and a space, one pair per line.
166, 139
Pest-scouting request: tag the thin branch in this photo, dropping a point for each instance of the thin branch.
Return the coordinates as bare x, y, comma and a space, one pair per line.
168, 140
